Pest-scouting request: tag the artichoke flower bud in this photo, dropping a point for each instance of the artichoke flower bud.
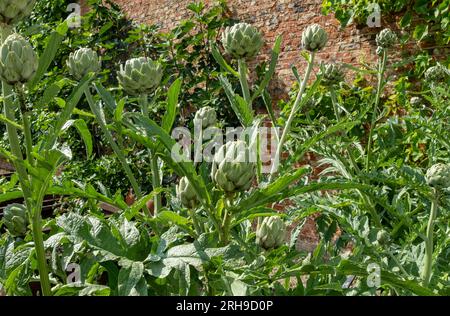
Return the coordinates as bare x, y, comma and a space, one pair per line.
437, 73
15, 218
207, 116
314, 38
438, 176
82, 62
140, 76
332, 75
18, 61
379, 51
186, 193
232, 171
242, 40
386, 38
12, 11
383, 237
271, 233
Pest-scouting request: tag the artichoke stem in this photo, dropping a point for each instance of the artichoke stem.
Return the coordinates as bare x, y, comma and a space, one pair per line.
40, 253
244, 82
26, 123
335, 104
429, 241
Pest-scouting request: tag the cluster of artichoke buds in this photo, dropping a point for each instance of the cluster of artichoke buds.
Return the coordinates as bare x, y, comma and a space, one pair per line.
18, 60
15, 218
438, 176
437, 73
332, 75
186, 193
232, 171
82, 62
314, 38
271, 233
12, 11
207, 116
386, 39
242, 40
140, 76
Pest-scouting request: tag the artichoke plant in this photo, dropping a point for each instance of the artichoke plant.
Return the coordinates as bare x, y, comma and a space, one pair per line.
271, 233
386, 38
437, 73
332, 75
12, 11
314, 38
186, 193
82, 62
15, 218
242, 40
232, 171
140, 76
438, 176
207, 116
18, 61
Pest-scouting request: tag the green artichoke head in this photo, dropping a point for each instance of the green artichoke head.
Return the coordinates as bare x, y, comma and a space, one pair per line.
186, 193
271, 233
314, 38
332, 75
437, 73
383, 237
140, 76
15, 218
82, 62
242, 40
207, 116
386, 38
438, 176
232, 169
12, 11
18, 60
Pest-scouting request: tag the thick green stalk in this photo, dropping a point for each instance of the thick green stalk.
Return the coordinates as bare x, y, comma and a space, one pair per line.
335, 104
26, 124
156, 182
112, 143
242, 68
381, 70
427, 267
294, 111
14, 142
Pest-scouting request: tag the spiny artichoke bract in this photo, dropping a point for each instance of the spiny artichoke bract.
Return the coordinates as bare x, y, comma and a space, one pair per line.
386, 38
332, 75
186, 193
242, 40
232, 171
12, 11
18, 61
437, 73
438, 176
314, 38
271, 233
82, 62
207, 116
15, 218
140, 76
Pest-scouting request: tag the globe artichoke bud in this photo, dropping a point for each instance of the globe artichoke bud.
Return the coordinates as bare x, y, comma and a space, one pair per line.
314, 38
386, 38
186, 193
438, 176
271, 233
12, 11
242, 40
332, 75
232, 171
140, 75
437, 73
15, 218
207, 115
82, 62
18, 61
383, 237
